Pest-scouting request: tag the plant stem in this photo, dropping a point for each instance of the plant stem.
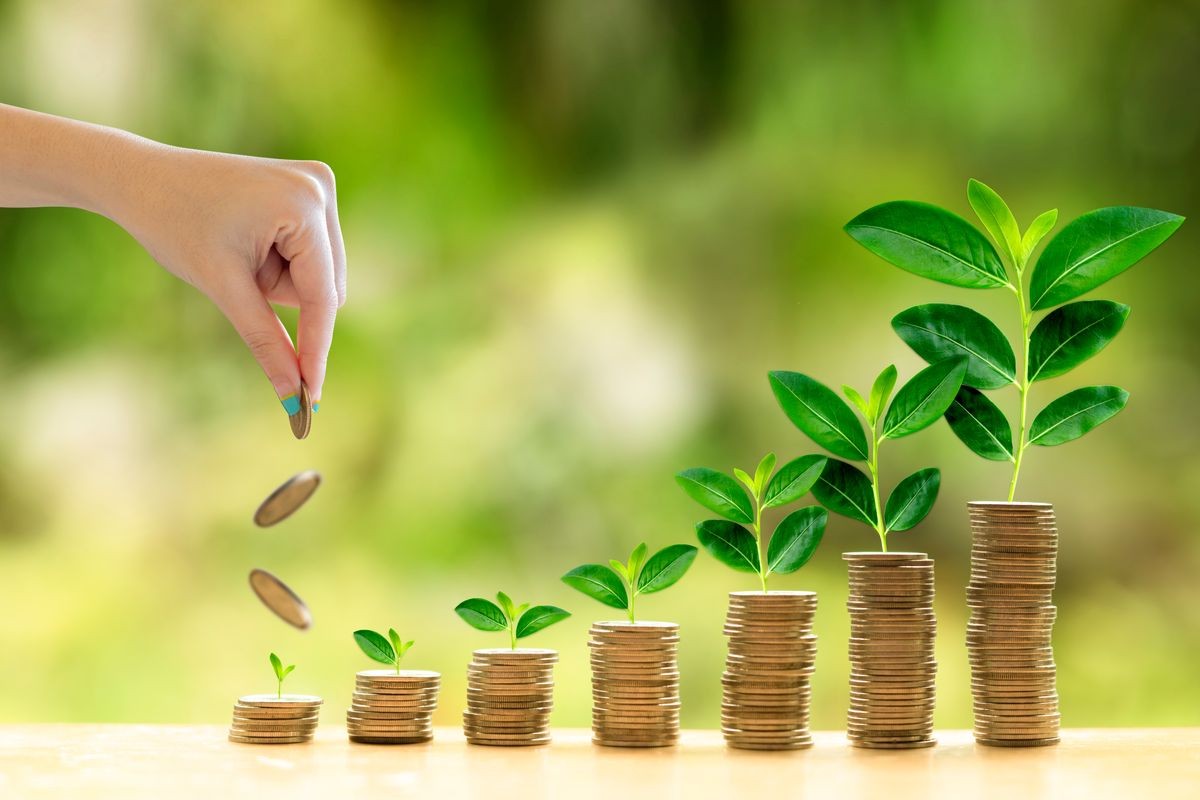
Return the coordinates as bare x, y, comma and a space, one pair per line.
1023, 385
757, 525
873, 465
512, 633
632, 598
279, 690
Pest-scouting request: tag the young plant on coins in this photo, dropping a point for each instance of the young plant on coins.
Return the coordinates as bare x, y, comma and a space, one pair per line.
796, 536
388, 649
618, 585
519, 621
826, 419
938, 244
281, 672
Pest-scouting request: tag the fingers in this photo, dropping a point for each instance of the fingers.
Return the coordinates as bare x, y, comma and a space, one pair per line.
338, 248
255, 321
312, 274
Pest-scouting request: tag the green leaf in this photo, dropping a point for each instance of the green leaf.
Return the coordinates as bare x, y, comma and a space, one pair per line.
619, 568
665, 568
857, 399
277, 666
600, 583
1037, 229
995, 215
745, 478
636, 559
538, 618
765, 468
911, 500
717, 492
507, 605
794, 480
938, 331
1094, 248
397, 642
731, 544
923, 400
375, 646
288, 670
847, 491
796, 539
1076, 413
1070, 335
816, 410
980, 425
408, 646
482, 614
881, 392
931, 242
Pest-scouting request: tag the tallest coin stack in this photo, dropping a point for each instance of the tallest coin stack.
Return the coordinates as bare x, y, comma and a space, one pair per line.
1013, 552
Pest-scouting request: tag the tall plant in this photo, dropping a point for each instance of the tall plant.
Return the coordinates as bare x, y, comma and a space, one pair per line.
935, 243
825, 418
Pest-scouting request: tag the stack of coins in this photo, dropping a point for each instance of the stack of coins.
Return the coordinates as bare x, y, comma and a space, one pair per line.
635, 684
772, 651
892, 665
509, 697
1013, 551
392, 707
270, 719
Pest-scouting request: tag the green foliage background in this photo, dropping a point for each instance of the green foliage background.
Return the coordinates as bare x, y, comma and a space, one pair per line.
580, 234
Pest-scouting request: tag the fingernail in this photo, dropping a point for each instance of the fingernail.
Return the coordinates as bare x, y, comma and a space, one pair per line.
291, 404
316, 407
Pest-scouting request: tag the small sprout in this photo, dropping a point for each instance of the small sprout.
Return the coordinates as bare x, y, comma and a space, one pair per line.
388, 649
281, 672
729, 540
618, 585
519, 621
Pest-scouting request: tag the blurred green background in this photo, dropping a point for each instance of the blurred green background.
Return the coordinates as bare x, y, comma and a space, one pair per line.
579, 235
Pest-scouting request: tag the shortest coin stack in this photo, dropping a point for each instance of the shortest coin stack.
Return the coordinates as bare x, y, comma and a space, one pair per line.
510, 694
635, 684
392, 707
892, 664
772, 653
270, 719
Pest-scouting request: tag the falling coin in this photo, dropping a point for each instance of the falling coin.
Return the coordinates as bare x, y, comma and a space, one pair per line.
284, 501
276, 596
301, 421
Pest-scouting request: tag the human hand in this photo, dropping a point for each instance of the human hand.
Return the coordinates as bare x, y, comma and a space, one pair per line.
247, 232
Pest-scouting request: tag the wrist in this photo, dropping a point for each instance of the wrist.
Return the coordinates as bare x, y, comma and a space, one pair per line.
54, 161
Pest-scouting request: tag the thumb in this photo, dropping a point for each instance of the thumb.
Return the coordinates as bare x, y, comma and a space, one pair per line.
252, 317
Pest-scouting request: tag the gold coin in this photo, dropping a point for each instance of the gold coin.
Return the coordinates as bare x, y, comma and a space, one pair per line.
301, 421
285, 500
276, 596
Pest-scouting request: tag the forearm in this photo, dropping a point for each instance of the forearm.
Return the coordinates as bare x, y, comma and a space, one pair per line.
53, 161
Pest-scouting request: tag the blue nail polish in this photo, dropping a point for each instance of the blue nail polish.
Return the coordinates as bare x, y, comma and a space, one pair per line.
316, 407
291, 404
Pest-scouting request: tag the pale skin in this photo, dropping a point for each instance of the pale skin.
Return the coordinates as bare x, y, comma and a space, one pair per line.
247, 232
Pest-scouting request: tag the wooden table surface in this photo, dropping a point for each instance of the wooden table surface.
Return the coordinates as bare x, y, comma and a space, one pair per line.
178, 761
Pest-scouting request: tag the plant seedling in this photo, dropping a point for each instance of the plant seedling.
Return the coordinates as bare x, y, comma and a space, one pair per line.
388, 649
618, 585
281, 672
520, 621
935, 243
795, 538
826, 419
